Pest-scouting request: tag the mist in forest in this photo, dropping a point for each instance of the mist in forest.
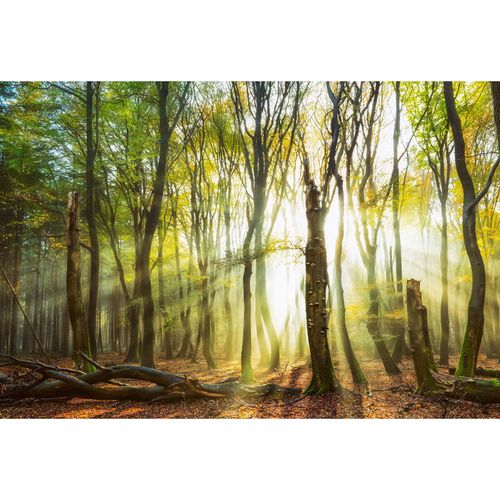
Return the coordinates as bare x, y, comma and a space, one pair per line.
193, 212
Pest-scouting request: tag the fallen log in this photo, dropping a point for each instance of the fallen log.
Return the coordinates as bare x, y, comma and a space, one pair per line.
481, 372
53, 382
429, 381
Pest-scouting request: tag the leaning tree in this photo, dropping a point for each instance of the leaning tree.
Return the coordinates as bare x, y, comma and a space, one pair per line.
475, 312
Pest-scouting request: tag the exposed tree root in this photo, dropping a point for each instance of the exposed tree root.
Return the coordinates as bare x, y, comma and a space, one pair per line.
50, 382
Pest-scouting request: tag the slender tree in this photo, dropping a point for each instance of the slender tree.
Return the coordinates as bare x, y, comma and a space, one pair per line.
333, 170
370, 226
166, 127
92, 143
475, 312
400, 343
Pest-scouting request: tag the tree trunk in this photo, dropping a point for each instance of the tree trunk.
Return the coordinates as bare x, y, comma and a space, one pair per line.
206, 323
230, 344
55, 341
91, 100
28, 305
38, 293
419, 338
265, 312
199, 334
133, 317
41, 324
373, 320
445, 315
400, 345
495, 97
73, 284
161, 296
246, 349
301, 338
229, 347
323, 377
185, 314
357, 374
16, 274
65, 328
428, 380
475, 312
163, 386
259, 276
153, 215
496, 315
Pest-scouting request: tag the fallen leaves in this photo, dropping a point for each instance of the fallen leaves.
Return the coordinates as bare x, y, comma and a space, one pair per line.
389, 397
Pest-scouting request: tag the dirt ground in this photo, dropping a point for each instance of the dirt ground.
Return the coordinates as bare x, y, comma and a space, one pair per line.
389, 397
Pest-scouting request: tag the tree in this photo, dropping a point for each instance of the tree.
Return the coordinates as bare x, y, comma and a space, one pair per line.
371, 208
357, 373
167, 126
318, 200
79, 325
92, 144
88, 97
475, 312
400, 344
323, 375
228, 155
428, 116
203, 215
126, 145
429, 382
261, 110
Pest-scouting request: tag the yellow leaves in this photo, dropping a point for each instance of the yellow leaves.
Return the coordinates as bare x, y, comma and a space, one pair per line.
395, 314
37, 219
466, 278
57, 244
355, 312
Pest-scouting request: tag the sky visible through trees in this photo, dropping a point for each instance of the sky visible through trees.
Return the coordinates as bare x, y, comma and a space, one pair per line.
251, 225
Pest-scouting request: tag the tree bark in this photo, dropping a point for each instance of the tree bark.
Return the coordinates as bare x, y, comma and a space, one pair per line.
91, 101
55, 340
400, 345
166, 387
185, 313
357, 374
323, 377
260, 275
152, 217
206, 330
429, 382
445, 314
76, 310
229, 347
246, 349
475, 312
373, 320
161, 296
265, 312
28, 305
495, 97
16, 275
419, 338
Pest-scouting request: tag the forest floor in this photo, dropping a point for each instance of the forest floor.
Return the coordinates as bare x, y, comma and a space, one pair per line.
389, 397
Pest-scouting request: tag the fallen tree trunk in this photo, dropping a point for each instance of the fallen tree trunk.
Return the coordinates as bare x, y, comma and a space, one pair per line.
429, 381
52, 382
481, 372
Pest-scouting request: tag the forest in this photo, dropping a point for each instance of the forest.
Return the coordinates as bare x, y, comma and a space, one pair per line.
249, 249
